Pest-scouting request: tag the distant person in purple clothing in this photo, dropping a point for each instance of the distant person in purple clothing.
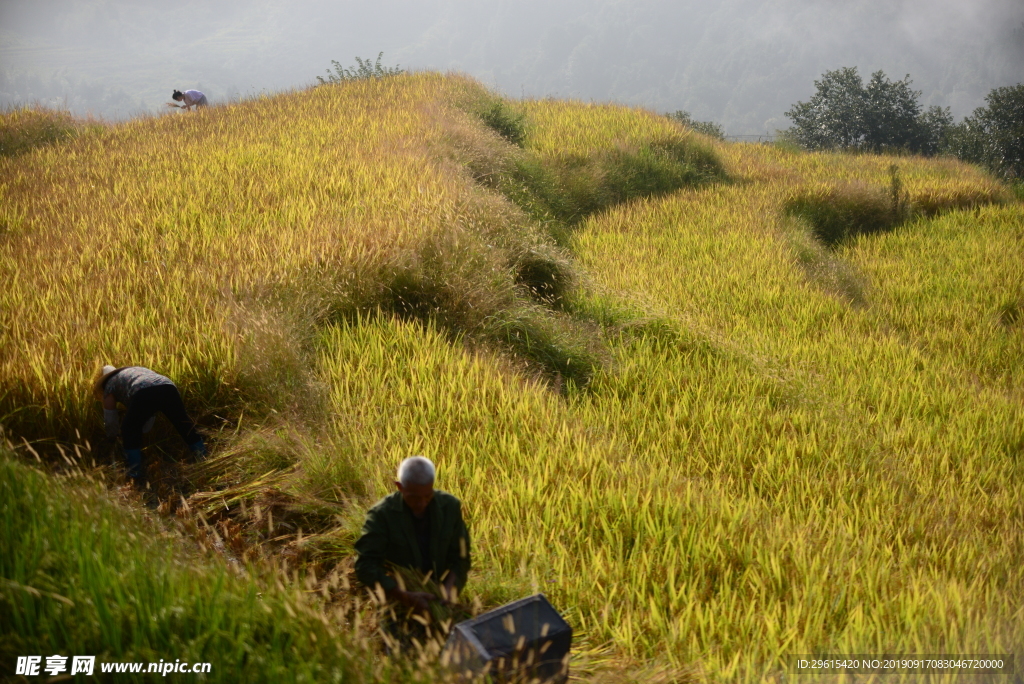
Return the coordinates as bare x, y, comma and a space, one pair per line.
190, 98
144, 393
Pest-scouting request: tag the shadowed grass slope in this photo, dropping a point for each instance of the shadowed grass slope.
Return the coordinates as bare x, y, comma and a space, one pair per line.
606, 155
81, 575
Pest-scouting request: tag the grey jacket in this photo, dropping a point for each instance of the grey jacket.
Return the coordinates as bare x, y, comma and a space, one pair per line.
125, 382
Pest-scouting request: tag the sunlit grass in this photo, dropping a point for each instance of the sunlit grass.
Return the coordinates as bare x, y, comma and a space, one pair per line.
160, 254
891, 445
774, 446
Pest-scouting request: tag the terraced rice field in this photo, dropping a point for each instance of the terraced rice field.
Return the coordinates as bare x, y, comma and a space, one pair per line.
778, 447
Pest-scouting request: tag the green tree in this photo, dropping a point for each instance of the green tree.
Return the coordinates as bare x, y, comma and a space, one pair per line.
709, 128
936, 123
993, 135
881, 115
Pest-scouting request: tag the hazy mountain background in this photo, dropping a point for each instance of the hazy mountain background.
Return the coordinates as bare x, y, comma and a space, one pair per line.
738, 62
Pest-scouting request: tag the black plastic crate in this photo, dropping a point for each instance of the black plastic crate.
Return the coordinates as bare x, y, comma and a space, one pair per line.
526, 640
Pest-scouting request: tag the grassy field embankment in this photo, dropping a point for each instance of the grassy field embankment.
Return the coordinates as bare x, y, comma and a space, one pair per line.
721, 403
82, 575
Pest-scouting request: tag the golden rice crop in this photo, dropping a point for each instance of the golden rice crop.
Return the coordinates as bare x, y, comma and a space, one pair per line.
762, 468
563, 127
153, 241
898, 421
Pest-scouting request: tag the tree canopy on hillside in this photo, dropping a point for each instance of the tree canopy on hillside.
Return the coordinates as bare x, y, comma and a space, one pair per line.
993, 135
880, 115
709, 128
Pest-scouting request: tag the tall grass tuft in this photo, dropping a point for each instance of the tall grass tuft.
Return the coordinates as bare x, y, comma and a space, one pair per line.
838, 213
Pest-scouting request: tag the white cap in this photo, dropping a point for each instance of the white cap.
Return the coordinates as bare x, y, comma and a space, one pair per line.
107, 370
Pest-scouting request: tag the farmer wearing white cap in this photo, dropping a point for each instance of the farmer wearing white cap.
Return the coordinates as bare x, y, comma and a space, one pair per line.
144, 393
190, 98
414, 535
419, 528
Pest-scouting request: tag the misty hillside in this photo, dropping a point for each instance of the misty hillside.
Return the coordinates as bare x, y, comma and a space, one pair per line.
741, 63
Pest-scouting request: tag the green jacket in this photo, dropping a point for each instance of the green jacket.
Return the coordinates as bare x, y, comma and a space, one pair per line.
388, 537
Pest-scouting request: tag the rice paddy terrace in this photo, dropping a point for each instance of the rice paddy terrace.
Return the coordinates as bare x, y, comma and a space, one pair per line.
722, 403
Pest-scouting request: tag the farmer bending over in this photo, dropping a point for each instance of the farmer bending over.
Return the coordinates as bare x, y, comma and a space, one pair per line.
418, 528
144, 393
191, 98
